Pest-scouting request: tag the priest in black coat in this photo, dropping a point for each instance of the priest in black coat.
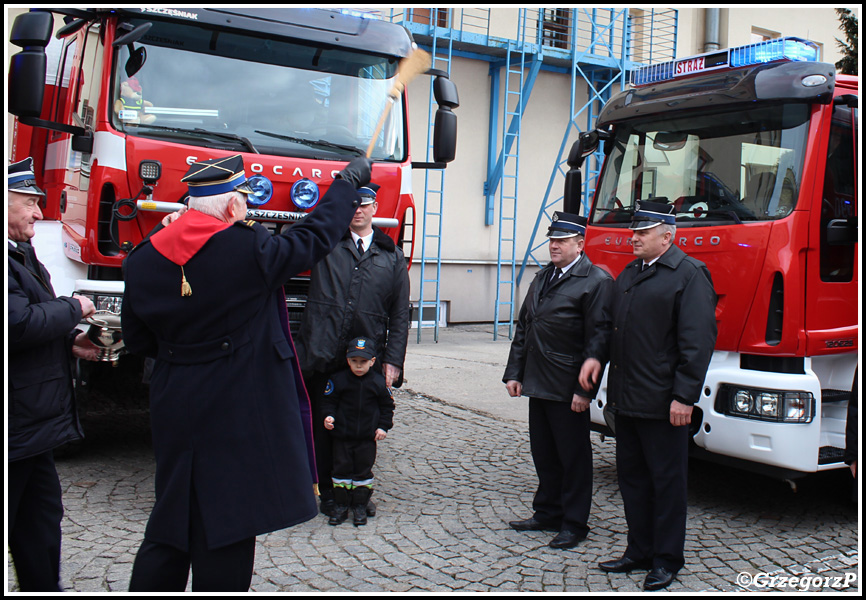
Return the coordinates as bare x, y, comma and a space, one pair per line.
229, 413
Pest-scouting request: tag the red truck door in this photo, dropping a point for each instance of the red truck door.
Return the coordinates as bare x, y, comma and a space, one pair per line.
831, 296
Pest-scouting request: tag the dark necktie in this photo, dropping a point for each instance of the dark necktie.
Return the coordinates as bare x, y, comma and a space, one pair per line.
360, 247
556, 275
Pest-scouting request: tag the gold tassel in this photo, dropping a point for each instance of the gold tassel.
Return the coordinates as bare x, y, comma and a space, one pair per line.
185, 289
316, 489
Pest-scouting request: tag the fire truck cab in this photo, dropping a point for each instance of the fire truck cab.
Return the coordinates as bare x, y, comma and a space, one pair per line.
756, 149
116, 108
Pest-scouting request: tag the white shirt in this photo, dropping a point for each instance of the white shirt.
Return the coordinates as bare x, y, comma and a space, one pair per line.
368, 239
572, 263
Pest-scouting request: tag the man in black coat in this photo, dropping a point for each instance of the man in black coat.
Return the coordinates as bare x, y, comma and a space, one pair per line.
564, 320
664, 332
229, 413
41, 413
359, 289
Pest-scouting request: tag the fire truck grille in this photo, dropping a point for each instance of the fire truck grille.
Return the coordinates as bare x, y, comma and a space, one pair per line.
296, 300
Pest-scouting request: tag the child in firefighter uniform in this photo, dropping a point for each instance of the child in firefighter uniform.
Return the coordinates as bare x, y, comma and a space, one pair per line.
358, 410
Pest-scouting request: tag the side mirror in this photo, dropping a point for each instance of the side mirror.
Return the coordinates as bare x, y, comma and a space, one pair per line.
445, 124
136, 57
586, 144
135, 61
26, 85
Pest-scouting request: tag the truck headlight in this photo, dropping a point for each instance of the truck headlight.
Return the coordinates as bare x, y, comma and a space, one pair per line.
105, 302
766, 405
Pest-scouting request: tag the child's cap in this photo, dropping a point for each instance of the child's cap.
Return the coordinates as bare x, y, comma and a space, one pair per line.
361, 346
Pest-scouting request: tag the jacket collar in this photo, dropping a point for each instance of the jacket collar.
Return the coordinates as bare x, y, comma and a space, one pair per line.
379, 239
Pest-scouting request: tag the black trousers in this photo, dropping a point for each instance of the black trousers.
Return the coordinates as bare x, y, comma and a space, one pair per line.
562, 453
354, 460
35, 512
652, 458
164, 568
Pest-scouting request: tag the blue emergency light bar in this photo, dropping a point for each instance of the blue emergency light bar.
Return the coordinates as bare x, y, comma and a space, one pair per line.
783, 49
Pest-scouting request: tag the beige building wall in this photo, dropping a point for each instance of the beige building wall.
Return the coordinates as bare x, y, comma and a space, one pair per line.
469, 247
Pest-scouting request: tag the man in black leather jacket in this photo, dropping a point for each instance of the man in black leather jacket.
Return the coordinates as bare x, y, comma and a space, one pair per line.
565, 319
663, 340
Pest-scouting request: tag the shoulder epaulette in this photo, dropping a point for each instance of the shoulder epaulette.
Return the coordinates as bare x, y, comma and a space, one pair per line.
245, 222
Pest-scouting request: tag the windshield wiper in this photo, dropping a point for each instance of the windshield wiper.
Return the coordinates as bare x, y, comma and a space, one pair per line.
306, 142
198, 131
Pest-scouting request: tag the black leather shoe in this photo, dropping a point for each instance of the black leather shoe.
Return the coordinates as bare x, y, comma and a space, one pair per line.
624, 565
371, 509
567, 538
531, 524
326, 507
658, 578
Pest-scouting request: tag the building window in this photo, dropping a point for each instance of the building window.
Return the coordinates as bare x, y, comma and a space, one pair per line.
556, 27
422, 16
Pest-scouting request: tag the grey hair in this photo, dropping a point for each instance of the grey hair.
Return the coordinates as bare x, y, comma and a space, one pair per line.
216, 206
665, 228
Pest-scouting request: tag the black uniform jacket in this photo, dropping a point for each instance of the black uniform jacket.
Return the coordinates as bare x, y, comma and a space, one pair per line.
225, 396
556, 332
353, 296
359, 405
41, 411
664, 331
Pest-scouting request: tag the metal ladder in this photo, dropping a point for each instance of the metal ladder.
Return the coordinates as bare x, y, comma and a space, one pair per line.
434, 187
597, 33
517, 86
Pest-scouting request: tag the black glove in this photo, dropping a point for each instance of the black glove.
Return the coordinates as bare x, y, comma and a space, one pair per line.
357, 172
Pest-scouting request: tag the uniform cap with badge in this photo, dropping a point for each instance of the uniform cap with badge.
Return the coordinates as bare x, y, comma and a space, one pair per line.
367, 193
566, 225
22, 179
361, 346
217, 176
652, 214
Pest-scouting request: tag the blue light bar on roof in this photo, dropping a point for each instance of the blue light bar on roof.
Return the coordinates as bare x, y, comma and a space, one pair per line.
793, 49
783, 49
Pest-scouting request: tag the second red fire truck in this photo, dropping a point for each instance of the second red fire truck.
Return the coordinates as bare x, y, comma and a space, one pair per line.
756, 148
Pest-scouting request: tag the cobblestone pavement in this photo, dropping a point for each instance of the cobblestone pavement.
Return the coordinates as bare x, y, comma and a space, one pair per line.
448, 481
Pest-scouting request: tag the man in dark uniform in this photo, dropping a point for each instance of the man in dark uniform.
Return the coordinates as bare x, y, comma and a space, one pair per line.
41, 413
359, 289
664, 331
565, 319
228, 411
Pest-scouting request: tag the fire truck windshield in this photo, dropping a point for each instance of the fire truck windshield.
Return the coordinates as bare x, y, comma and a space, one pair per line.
234, 91
728, 167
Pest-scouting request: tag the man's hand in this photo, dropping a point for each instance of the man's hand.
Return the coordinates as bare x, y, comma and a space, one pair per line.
392, 374
579, 403
329, 423
84, 348
87, 307
515, 388
681, 414
590, 373
381, 434
357, 172
173, 216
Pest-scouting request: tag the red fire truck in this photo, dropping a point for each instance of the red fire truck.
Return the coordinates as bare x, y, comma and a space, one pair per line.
756, 149
116, 108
